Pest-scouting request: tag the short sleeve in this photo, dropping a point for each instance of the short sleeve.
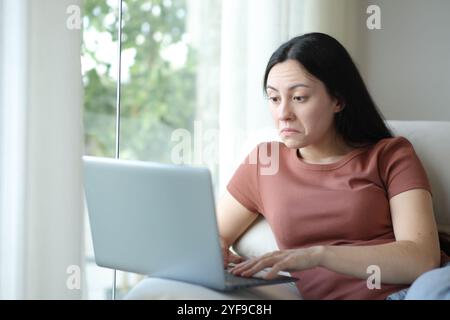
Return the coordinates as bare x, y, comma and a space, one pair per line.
244, 184
401, 168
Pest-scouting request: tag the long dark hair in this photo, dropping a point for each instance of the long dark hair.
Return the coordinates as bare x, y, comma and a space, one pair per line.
360, 122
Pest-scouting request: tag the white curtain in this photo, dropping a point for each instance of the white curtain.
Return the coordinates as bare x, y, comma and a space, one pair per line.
251, 31
41, 217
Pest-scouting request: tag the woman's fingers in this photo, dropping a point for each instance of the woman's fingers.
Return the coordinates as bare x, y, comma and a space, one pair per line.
258, 266
277, 267
252, 266
243, 265
230, 257
233, 258
284, 260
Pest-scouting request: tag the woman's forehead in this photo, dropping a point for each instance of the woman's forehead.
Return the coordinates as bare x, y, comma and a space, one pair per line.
289, 73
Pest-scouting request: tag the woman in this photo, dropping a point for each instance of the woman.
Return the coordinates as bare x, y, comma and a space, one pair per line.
347, 197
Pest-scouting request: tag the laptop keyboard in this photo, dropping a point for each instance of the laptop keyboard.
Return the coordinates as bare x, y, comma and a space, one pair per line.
231, 279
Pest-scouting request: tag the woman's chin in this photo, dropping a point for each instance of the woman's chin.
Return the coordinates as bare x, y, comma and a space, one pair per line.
292, 144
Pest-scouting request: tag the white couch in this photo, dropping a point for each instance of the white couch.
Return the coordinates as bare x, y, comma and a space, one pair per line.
431, 140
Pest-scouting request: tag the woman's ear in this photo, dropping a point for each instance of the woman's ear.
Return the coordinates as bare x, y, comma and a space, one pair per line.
339, 106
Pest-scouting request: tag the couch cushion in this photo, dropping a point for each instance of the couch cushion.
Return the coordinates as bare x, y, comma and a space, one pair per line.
257, 240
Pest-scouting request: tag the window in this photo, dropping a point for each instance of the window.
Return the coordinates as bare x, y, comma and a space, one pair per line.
170, 79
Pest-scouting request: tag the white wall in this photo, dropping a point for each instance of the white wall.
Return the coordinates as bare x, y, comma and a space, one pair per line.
406, 64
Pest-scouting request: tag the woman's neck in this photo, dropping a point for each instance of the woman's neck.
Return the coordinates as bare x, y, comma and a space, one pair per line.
329, 150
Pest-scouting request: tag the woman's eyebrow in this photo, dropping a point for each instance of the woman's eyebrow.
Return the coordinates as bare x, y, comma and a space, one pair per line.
290, 87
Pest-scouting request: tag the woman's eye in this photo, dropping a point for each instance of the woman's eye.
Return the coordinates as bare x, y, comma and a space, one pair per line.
299, 99
273, 99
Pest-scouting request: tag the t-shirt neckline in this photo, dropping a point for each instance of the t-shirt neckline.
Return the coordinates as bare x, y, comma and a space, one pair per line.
326, 166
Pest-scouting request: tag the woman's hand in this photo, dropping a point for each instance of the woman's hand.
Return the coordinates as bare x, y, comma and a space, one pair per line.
228, 256
283, 260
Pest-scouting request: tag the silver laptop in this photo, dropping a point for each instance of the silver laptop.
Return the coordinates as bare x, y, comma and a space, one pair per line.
158, 220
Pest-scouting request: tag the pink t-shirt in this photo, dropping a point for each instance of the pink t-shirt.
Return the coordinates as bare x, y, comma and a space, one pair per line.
342, 203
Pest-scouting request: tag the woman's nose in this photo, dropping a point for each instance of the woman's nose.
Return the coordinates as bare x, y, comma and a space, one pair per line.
285, 111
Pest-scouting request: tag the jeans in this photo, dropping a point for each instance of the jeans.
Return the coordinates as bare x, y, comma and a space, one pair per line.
432, 285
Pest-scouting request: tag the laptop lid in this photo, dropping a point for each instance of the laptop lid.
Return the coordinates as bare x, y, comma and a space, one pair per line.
154, 219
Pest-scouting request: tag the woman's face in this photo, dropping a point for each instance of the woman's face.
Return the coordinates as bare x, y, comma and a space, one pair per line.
301, 108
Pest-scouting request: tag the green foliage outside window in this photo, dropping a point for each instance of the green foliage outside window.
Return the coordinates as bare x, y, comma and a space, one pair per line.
158, 93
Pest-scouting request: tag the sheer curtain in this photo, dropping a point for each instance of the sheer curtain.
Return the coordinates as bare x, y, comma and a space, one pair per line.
251, 31
41, 145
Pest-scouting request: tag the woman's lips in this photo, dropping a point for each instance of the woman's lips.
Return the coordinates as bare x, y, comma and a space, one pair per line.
289, 132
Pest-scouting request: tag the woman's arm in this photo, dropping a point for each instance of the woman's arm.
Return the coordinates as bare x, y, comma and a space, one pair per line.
415, 251
233, 219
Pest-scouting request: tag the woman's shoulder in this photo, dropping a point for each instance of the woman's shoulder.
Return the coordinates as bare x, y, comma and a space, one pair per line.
390, 150
391, 144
